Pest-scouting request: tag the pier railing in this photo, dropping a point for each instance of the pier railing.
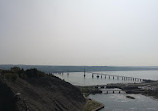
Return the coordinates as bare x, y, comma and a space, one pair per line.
118, 77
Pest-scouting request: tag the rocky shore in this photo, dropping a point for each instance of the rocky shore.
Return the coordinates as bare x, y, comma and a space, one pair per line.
146, 88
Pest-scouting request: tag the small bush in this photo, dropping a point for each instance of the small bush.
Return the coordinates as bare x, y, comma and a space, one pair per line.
34, 73
11, 76
23, 75
16, 72
15, 69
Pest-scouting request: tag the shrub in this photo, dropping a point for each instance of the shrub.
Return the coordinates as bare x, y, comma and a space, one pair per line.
15, 69
11, 76
23, 75
34, 73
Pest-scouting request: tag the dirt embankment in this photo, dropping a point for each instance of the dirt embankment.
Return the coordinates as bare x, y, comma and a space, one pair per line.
40, 94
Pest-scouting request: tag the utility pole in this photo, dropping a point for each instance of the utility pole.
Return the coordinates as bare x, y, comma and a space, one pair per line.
84, 72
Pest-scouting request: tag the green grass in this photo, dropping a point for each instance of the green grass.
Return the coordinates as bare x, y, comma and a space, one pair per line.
91, 105
87, 90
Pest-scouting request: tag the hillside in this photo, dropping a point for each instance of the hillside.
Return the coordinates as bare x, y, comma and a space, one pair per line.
36, 91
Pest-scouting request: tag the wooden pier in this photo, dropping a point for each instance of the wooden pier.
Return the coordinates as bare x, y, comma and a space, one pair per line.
115, 77
112, 91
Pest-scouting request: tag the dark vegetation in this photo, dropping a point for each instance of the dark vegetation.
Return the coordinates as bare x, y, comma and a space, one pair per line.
33, 90
16, 72
87, 90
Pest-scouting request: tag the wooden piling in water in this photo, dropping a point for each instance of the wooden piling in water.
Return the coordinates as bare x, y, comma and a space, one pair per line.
101, 75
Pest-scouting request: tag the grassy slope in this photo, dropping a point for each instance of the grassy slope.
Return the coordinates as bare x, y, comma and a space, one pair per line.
47, 94
92, 105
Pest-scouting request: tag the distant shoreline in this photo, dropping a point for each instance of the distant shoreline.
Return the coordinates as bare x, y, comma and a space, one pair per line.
60, 69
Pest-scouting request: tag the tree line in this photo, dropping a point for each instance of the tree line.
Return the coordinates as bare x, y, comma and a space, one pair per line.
16, 72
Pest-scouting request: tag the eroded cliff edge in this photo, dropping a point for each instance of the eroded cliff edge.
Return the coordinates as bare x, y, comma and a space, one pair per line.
37, 93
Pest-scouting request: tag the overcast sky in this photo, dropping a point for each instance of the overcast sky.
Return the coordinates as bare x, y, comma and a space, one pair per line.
79, 32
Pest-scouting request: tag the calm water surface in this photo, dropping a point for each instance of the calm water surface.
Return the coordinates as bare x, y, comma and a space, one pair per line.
116, 102
119, 102
77, 78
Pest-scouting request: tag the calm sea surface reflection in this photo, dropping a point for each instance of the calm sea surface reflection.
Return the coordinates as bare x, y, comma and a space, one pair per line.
77, 78
119, 102
116, 102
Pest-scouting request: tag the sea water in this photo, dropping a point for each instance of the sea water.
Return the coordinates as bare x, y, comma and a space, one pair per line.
116, 102
119, 102
77, 78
